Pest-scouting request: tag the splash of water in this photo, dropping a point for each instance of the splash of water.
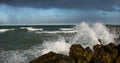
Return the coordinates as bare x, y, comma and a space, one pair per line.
84, 36
59, 46
20, 56
87, 35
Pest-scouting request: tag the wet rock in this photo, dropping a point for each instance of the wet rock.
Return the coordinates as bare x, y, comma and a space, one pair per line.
96, 49
76, 51
105, 54
88, 54
112, 49
79, 54
117, 59
101, 54
118, 47
52, 57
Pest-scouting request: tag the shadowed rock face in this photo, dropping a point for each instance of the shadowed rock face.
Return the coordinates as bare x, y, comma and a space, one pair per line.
117, 59
105, 54
52, 57
77, 54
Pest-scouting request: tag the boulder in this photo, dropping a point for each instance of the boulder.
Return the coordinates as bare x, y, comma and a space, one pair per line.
88, 54
96, 49
52, 57
118, 47
102, 56
76, 51
79, 54
112, 49
105, 54
117, 59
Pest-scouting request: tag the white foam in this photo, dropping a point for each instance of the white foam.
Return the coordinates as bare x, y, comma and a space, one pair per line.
66, 29
103, 33
59, 46
4, 30
20, 56
86, 35
31, 28
54, 32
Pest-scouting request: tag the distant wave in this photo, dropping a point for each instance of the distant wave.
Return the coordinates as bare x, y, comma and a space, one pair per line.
72, 31
31, 28
4, 30
66, 29
85, 34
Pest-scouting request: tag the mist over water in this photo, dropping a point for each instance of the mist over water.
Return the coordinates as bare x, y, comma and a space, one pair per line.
85, 34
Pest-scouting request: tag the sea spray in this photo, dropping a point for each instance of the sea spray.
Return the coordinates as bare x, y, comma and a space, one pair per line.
103, 33
20, 56
59, 46
86, 34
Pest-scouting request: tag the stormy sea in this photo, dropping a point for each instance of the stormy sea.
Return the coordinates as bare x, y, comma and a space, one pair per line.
21, 44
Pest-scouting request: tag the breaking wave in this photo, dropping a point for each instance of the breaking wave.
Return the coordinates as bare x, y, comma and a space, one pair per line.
86, 34
4, 30
54, 32
31, 28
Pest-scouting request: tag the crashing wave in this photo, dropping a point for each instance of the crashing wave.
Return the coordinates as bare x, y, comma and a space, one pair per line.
86, 34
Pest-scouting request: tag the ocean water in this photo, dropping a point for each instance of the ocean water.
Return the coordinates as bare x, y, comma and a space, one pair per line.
20, 44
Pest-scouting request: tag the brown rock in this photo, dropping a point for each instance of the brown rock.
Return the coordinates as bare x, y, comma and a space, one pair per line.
96, 49
79, 54
118, 47
102, 54
117, 59
103, 57
105, 54
76, 51
112, 49
88, 54
52, 57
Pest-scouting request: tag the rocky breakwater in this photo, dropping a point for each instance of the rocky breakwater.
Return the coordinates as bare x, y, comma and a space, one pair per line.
100, 54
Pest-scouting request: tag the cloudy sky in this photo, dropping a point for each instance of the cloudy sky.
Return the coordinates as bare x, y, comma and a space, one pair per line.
59, 11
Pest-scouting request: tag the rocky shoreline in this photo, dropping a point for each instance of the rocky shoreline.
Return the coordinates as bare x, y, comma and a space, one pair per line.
100, 54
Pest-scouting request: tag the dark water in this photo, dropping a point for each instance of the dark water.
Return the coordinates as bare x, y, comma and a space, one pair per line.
20, 44
24, 39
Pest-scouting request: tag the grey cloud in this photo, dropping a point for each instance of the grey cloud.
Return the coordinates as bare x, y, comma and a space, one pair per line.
106, 5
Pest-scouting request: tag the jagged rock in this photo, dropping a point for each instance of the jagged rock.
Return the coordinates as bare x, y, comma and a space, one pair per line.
101, 54
118, 47
105, 54
52, 57
117, 59
88, 54
79, 54
112, 49
76, 51
96, 49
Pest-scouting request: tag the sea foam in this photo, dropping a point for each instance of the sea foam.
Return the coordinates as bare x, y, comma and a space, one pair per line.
86, 34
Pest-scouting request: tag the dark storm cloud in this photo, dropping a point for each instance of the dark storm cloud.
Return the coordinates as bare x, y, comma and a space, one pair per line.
107, 5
